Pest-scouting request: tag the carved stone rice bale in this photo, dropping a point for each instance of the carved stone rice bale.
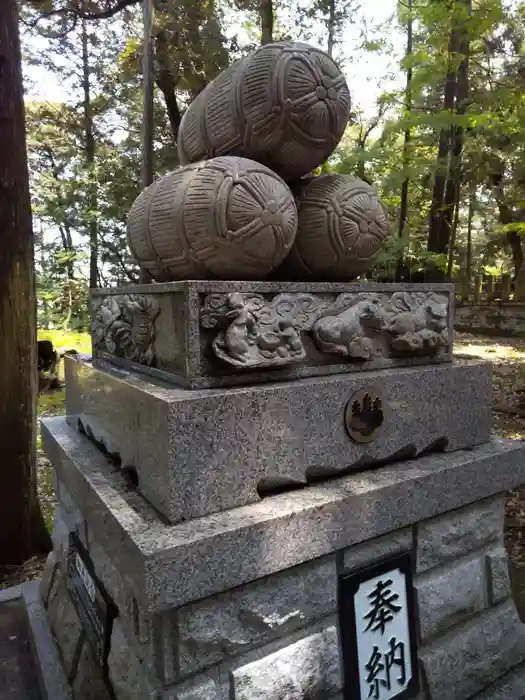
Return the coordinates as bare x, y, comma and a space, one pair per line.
342, 226
228, 217
285, 105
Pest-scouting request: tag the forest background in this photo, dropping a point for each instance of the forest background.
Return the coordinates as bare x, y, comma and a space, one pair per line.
437, 125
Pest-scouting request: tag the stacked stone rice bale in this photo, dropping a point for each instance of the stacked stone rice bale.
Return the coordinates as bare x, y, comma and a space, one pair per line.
245, 143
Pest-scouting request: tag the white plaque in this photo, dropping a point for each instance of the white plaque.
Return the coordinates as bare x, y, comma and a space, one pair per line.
377, 625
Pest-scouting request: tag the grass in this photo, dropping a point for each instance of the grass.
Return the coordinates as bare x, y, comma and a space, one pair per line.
53, 404
67, 340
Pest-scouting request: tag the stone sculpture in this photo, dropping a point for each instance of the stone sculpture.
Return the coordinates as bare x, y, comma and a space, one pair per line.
124, 326
248, 339
227, 217
285, 105
342, 226
344, 330
257, 332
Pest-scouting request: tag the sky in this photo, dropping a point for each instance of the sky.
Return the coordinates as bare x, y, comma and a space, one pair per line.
364, 70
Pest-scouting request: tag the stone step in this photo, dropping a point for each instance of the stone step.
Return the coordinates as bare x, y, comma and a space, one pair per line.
170, 565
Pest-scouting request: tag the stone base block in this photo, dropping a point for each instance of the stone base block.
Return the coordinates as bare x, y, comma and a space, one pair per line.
205, 334
205, 451
243, 605
46, 656
509, 687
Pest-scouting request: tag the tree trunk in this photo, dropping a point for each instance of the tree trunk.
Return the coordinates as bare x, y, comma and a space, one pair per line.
331, 22
266, 19
89, 144
437, 240
452, 243
468, 261
22, 530
403, 210
452, 192
148, 94
514, 240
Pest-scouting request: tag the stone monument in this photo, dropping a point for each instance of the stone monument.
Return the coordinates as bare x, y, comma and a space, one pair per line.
285, 105
277, 490
226, 217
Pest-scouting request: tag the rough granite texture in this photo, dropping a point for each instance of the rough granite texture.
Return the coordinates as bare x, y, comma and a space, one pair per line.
52, 679
470, 658
509, 687
280, 531
277, 635
207, 690
442, 539
447, 597
48, 576
128, 677
67, 628
182, 348
378, 548
255, 614
200, 452
88, 683
498, 575
307, 669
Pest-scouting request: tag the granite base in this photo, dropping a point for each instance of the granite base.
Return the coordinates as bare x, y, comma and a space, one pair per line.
209, 609
205, 451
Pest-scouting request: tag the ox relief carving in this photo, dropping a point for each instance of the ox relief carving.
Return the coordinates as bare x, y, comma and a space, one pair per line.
124, 326
254, 331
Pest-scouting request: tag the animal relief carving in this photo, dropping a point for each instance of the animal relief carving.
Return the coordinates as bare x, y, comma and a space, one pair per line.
381, 325
417, 323
255, 331
345, 330
250, 338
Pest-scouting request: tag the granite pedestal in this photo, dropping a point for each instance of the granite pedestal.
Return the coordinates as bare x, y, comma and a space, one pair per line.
243, 604
201, 451
234, 452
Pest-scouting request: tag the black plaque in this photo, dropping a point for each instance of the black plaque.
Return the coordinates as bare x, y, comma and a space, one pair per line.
377, 613
95, 608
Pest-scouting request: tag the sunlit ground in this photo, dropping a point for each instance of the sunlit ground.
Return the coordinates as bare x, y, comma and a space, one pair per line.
507, 356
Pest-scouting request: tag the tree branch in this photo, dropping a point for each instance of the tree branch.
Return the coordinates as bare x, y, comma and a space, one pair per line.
76, 10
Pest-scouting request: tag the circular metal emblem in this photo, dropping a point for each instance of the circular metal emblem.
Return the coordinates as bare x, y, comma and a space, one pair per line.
364, 415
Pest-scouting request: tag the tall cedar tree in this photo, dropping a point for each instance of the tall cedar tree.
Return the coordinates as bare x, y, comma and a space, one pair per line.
22, 530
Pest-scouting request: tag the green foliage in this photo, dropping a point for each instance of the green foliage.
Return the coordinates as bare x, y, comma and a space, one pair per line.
192, 43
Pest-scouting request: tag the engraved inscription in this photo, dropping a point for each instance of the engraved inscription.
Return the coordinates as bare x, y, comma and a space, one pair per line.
95, 609
378, 632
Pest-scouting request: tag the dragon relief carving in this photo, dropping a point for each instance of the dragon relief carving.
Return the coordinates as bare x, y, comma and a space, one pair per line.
124, 326
257, 332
